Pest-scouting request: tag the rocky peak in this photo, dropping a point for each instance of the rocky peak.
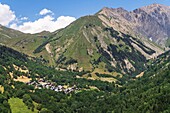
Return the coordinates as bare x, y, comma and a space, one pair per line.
155, 6
151, 21
105, 9
157, 11
157, 16
119, 10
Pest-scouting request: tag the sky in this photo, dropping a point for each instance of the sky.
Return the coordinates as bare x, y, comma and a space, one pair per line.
33, 16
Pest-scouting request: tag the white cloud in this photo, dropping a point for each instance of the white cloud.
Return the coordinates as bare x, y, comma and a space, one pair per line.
45, 11
47, 23
6, 15
24, 18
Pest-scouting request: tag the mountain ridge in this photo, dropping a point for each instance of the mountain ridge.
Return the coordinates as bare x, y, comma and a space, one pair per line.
149, 21
87, 42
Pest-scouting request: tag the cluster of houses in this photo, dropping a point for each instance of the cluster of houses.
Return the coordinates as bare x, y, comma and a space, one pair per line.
42, 84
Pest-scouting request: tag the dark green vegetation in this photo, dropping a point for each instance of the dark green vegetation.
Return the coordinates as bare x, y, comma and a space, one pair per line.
9, 58
149, 93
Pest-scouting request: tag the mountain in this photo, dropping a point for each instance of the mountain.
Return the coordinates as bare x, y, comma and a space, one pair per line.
91, 44
151, 21
112, 40
7, 34
25, 43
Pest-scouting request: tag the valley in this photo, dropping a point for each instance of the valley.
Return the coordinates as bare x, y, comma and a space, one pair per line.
114, 61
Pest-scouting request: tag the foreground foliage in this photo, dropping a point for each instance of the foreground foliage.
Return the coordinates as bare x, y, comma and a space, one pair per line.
150, 93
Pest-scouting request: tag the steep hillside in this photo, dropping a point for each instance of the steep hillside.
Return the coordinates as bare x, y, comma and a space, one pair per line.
89, 44
15, 66
149, 93
22, 80
6, 34
151, 21
22, 42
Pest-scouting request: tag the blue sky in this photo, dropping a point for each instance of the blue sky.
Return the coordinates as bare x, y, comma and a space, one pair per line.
74, 8
71, 8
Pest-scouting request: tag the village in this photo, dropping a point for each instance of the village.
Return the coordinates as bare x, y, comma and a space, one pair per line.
42, 84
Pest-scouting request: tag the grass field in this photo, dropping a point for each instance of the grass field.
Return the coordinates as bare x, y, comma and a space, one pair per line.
17, 106
101, 71
23, 79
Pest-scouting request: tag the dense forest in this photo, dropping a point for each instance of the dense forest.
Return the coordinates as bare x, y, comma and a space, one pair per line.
149, 93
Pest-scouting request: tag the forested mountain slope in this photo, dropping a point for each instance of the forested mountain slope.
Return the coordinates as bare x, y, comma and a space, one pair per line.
150, 93
20, 77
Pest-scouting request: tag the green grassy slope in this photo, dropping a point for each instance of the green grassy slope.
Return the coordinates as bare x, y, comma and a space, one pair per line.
83, 46
17, 106
87, 43
22, 42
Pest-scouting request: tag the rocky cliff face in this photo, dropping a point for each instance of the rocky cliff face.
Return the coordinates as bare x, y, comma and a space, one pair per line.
151, 21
